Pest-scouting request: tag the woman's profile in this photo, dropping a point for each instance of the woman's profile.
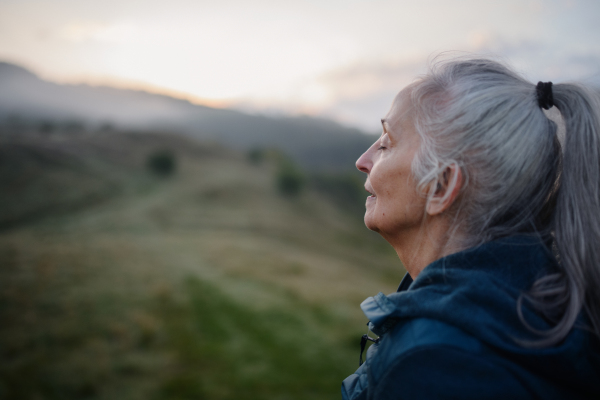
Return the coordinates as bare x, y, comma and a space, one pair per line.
496, 218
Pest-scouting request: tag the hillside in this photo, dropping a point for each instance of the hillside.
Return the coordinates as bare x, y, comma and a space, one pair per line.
209, 283
315, 143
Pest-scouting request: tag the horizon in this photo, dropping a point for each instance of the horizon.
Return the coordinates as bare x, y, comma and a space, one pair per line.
94, 121
328, 59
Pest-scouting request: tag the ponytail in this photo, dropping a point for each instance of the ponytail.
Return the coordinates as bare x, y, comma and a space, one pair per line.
576, 220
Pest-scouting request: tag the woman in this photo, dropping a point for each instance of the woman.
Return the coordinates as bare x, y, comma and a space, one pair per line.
498, 227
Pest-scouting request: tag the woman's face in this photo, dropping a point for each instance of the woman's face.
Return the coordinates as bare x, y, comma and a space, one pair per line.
395, 208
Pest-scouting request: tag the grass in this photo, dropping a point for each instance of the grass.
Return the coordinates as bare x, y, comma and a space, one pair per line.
235, 351
206, 284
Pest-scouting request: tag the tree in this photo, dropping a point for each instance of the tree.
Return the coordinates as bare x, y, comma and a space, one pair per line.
162, 162
289, 179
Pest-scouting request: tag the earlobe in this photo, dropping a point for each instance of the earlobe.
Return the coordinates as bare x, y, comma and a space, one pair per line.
447, 190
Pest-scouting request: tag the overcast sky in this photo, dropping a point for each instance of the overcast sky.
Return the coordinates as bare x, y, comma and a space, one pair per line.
341, 59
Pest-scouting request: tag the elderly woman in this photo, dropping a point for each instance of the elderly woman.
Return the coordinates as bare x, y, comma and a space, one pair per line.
497, 223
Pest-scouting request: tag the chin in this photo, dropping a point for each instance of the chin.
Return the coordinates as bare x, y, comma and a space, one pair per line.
370, 224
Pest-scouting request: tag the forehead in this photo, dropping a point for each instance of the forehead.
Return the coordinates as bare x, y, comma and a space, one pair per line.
401, 112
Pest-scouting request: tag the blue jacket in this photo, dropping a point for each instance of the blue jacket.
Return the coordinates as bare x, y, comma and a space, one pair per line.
451, 334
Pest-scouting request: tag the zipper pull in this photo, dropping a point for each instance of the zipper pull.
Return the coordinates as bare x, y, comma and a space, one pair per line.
363, 343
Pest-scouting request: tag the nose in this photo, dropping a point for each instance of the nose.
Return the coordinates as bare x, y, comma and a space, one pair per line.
365, 162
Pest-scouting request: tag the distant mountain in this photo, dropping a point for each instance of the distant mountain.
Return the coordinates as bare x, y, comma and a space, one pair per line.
315, 143
23, 93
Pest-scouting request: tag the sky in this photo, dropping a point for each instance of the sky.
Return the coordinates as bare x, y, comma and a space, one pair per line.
344, 60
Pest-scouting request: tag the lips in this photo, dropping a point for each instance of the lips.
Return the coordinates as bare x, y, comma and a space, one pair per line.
370, 191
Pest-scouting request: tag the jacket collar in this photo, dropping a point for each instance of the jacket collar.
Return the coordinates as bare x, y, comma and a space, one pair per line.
511, 263
405, 283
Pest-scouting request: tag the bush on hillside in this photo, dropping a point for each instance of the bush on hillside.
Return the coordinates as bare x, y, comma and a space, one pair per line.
290, 180
162, 163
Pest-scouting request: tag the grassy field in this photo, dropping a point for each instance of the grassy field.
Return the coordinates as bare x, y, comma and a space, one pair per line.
208, 284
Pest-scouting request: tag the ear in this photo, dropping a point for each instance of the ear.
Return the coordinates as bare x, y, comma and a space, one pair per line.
446, 189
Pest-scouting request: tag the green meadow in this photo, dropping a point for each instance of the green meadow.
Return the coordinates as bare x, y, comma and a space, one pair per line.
205, 279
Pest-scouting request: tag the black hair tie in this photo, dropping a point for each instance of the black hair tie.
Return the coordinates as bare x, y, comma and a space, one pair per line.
544, 95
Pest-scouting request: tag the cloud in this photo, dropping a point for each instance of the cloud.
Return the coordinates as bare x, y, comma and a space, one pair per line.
364, 79
542, 60
361, 93
358, 94
80, 32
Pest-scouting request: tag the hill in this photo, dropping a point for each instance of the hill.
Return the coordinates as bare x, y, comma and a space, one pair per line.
209, 283
315, 143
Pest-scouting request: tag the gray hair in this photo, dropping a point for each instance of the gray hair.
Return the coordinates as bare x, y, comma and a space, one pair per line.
483, 117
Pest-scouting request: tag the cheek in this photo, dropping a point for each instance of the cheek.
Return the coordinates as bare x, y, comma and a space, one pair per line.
398, 199
383, 179
392, 186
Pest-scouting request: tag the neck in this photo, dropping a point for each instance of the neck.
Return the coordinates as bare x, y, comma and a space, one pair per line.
431, 242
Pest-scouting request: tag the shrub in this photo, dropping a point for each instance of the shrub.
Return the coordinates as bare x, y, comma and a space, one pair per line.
290, 180
162, 162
